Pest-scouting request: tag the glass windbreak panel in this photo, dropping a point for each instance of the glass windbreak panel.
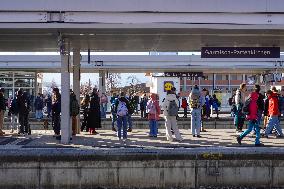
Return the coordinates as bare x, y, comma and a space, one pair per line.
6, 82
6, 74
24, 82
24, 74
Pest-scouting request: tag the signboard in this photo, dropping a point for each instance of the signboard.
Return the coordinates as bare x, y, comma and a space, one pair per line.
168, 85
183, 74
240, 52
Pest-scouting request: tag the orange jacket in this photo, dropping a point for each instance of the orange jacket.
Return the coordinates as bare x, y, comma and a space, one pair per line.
273, 107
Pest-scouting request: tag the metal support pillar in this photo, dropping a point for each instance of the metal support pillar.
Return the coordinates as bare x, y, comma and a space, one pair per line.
65, 99
76, 81
102, 79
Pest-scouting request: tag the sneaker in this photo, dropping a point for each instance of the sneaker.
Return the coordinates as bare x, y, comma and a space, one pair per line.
239, 140
258, 145
198, 136
113, 129
193, 135
129, 130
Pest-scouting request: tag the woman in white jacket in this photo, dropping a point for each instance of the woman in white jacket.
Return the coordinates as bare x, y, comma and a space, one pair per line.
170, 121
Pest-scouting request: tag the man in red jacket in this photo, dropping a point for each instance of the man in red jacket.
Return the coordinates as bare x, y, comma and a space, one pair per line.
273, 112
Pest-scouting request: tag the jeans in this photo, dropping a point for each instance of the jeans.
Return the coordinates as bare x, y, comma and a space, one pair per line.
171, 123
103, 110
185, 112
113, 119
252, 125
122, 122
153, 124
129, 120
273, 122
38, 114
195, 121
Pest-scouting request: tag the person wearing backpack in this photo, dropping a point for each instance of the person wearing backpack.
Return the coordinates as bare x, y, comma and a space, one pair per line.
94, 114
240, 100
170, 107
273, 112
122, 112
196, 103
2, 111
154, 111
252, 106
14, 110
24, 108
74, 111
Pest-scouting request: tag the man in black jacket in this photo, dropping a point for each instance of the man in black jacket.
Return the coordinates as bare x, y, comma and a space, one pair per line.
2, 110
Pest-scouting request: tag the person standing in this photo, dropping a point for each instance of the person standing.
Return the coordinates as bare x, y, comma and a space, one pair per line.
85, 106
24, 108
252, 104
122, 112
74, 111
2, 111
38, 107
215, 105
273, 112
170, 107
113, 102
154, 111
48, 103
196, 103
56, 110
14, 110
131, 109
184, 105
240, 100
94, 116
143, 104
103, 102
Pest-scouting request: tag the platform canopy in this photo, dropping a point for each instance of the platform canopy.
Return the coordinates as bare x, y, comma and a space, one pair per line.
135, 25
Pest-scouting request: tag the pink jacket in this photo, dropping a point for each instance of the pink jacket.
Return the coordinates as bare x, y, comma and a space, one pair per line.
153, 100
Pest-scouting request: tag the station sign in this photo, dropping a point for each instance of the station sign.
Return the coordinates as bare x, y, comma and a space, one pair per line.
184, 74
240, 52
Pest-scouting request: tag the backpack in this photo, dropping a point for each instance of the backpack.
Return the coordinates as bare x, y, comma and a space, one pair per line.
151, 108
122, 109
195, 102
173, 108
75, 109
246, 106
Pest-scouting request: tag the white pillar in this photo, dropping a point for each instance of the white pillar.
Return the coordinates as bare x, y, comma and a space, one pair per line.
65, 100
102, 79
76, 80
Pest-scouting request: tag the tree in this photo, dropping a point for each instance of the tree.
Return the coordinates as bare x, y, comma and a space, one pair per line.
113, 81
133, 80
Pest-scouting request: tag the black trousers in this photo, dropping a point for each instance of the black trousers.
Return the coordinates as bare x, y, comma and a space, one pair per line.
56, 122
24, 122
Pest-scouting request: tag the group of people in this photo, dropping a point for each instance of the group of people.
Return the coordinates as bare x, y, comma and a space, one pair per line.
256, 107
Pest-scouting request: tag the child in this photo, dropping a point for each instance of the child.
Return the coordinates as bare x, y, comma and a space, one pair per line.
154, 111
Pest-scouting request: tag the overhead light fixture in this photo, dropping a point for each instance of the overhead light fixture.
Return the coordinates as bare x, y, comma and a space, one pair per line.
81, 34
91, 34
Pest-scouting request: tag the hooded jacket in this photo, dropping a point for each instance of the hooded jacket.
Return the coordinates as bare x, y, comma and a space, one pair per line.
253, 107
154, 101
273, 107
166, 103
240, 97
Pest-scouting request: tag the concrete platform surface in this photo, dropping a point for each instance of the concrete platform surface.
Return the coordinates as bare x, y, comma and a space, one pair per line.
138, 139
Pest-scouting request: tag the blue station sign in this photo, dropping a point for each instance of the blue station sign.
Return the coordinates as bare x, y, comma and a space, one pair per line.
240, 52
